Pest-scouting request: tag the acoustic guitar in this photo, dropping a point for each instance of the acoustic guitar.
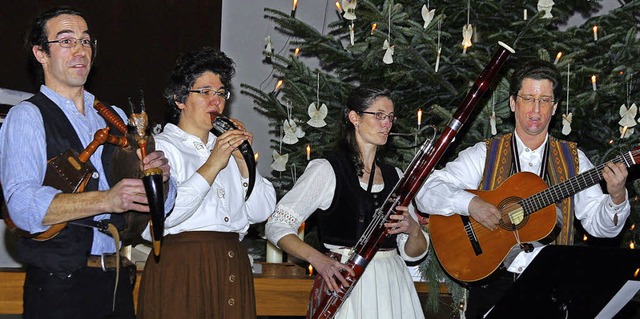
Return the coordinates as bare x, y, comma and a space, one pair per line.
469, 252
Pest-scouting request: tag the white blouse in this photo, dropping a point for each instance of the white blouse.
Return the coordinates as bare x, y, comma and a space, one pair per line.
314, 190
202, 207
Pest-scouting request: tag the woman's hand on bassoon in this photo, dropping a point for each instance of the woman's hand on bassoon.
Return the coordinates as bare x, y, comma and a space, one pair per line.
330, 270
402, 222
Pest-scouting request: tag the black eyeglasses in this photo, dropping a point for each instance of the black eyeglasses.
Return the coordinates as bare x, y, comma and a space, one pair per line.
70, 42
223, 94
382, 116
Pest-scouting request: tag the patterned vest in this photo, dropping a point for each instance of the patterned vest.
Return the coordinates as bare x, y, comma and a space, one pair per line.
562, 164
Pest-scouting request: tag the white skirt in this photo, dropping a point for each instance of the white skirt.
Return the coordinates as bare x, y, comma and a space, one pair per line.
385, 290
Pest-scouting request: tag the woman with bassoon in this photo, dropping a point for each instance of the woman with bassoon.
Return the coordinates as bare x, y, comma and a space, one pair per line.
344, 190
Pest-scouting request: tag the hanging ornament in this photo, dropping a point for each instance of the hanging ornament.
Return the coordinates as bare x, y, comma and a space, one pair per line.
492, 118
291, 132
467, 30
567, 117
628, 121
352, 35
439, 47
427, 15
388, 54
349, 7
546, 6
268, 47
317, 115
279, 161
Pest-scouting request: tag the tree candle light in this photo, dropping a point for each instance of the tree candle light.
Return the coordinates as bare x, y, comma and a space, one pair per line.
593, 83
558, 56
293, 9
308, 152
595, 33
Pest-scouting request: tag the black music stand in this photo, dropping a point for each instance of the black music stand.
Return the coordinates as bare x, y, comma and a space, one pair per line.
572, 282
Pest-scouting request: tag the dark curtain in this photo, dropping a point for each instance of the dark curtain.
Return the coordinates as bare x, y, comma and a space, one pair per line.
138, 43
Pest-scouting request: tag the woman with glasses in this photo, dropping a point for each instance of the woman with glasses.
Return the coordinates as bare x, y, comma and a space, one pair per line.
343, 191
203, 270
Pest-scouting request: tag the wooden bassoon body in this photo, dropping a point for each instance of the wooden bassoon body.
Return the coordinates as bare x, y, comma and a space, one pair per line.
325, 304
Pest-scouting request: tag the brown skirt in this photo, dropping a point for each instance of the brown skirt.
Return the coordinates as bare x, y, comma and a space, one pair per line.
199, 275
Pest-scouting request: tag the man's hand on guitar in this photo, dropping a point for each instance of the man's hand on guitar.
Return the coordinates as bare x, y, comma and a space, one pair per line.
128, 194
156, 159
616, 176
330, 270
484, 213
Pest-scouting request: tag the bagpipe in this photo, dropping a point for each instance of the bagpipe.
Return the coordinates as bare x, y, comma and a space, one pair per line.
70, 172
324, 303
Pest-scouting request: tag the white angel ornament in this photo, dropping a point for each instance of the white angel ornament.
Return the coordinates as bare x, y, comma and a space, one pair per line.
467, 32
388, 54
349, 7
546, 6
628, 119
291, 132
279, 161
268, 47
427, 15
317, 115
567, 118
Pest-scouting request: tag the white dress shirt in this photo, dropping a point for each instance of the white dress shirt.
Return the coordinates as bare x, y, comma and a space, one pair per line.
202, 207
444, 193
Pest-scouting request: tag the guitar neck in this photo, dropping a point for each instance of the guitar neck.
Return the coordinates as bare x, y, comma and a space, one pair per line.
572, 186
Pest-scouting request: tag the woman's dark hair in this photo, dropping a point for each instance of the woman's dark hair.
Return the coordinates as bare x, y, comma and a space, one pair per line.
38, 35
189, 67
537, 70
360, 99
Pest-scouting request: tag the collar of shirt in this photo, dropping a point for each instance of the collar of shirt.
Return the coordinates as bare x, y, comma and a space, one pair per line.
174, 132
530, 160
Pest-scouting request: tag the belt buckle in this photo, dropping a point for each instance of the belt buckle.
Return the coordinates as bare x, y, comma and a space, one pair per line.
102, 264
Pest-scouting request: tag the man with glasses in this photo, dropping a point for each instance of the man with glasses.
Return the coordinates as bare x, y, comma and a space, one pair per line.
535, 91
74, 274
205, 271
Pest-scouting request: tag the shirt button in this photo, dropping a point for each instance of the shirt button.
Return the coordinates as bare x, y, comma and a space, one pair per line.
527, 149
245, 184
231, 301
95, 175
530, 164
232, 278
226, 219
231, 254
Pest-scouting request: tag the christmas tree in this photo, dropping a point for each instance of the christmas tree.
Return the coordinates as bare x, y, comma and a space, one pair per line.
420, 52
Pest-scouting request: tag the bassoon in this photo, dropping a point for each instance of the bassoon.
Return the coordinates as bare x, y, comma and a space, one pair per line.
324, 304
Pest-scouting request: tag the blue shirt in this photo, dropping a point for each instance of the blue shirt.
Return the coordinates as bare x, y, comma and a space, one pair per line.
23, 163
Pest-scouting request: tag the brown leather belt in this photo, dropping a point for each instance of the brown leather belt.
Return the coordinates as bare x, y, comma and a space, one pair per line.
107, 262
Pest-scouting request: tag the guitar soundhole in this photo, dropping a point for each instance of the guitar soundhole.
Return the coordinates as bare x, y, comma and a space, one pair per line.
513, 215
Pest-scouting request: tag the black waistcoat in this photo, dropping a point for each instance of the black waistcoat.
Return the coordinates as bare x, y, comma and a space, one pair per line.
352, 208
68, 250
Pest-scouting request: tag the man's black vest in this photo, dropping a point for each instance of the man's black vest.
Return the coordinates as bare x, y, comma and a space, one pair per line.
352, 208
67, 251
